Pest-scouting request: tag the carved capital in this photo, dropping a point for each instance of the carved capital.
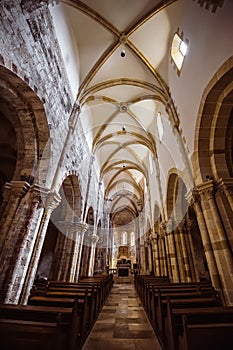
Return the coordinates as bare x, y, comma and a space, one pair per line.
94, 239
206, 189
52, 201
19, 188
153, 237
226, 186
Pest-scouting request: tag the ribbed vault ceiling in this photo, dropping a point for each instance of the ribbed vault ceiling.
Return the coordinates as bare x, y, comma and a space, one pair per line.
122, 94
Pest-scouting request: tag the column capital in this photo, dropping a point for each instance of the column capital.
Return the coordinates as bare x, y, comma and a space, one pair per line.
206, 189
19, 188
153, 237
80, 227
94, 239
169, 225
163, 225
225, 184
52, 200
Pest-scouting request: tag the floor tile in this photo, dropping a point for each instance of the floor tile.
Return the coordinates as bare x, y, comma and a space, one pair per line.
122, 323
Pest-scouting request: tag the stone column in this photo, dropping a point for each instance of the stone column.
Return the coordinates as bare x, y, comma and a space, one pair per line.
78, 266
195, 201
5, 206
12, 223
52, 202
163, 255
225, 191
226, 185
25, 245
190, 252
94, 239
179, 253
172, 251
223, 255
155, 261
143, 269
16, 190
65, 249
149, 255
182, 234
169, 267
160, 256
78, 229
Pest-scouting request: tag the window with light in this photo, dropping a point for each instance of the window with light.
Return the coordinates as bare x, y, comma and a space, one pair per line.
179, 50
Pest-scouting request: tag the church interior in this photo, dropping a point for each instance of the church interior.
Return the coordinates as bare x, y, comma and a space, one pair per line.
116, 174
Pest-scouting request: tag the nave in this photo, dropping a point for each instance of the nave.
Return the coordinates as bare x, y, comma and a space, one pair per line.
122, 323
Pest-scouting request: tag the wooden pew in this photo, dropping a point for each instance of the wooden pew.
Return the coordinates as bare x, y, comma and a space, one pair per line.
90, 293
35, 327
64, 300
191, 303
65, 290
199, 328
206, 290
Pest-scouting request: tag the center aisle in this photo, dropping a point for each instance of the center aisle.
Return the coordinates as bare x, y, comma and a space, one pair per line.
122, 323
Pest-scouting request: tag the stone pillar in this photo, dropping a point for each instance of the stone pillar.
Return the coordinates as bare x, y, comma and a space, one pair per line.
166, 248
195, 201
163, 255
94, 239
16, 190
64, 249
160, 256
223, 255
179, 254
226, 185
155, 261
31, 211
143, 269
52, 202
11, 224
78, 230
149, 255
182, 233
78, 266
225, 191
168, 259
172, 252
5, 206
58, 251
190, 252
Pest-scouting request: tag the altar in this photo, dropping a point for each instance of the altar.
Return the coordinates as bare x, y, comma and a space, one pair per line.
123, 271
123, 268
123, 262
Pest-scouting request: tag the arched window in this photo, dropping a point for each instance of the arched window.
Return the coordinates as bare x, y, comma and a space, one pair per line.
179, 50
132, 238
124, 238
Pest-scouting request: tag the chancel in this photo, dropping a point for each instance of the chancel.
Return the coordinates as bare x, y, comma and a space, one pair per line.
116, 174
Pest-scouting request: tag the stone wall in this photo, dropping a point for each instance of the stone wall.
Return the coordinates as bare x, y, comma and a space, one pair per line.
29, 48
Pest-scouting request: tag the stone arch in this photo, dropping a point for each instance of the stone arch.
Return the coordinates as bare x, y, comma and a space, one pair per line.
90, 219
176, 203
60, 237
24, 110
214, 128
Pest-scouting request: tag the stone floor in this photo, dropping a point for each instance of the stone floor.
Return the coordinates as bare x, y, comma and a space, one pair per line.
122, 323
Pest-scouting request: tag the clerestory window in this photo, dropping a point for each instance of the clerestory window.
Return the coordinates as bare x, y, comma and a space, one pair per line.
179, 50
